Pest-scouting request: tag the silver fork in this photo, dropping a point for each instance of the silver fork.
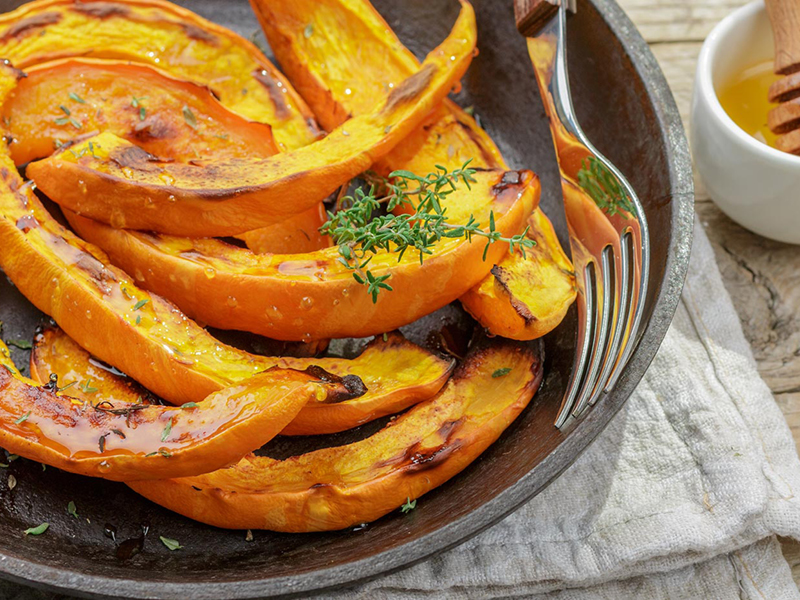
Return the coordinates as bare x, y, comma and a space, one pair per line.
607, 226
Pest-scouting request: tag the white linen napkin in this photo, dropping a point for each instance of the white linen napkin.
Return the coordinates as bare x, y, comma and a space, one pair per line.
680, 497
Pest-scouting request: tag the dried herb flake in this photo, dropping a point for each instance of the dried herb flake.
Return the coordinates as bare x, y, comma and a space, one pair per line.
21, 344
167, 431
170, 543
38, 530
189, 117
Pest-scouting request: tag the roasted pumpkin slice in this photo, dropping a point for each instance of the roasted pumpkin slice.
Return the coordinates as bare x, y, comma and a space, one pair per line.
142, 334
298, 234
351, 58
540, 291
417, 375
309, 296
127, 187
127, 441
163, 35
81, 376
176, 120
343, 486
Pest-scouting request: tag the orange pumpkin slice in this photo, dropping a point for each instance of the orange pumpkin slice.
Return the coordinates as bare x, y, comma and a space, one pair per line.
343, 486
417, 375
177, 120
190, 48
127, 441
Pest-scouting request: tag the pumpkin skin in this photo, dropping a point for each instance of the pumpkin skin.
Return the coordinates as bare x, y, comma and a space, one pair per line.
124, 186
125, 441
524, 297
409, 375
339, 487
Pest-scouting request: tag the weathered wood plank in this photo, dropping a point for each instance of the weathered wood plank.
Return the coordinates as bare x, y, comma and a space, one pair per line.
677, 20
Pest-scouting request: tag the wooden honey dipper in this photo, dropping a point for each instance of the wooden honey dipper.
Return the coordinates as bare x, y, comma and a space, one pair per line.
784, 119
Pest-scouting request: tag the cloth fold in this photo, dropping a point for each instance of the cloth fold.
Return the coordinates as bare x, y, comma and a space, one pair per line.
680, 497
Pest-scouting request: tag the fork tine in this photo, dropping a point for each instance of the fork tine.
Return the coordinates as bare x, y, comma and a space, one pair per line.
639, 242
622, 312
606, 306
585, 303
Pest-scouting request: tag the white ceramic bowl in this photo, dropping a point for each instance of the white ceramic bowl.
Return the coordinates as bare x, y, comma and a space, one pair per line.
754, 184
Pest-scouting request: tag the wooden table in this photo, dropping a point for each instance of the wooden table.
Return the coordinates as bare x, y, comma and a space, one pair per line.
762, 276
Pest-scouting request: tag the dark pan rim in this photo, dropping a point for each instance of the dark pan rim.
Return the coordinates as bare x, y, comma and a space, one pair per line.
457, 532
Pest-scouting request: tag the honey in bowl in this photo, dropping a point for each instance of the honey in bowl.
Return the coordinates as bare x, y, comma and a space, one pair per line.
744, 98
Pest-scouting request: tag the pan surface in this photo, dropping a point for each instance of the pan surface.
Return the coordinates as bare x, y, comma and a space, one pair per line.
625, 106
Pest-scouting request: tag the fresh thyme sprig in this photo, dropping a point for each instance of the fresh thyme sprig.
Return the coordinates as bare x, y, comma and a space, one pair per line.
604, 188
360, 232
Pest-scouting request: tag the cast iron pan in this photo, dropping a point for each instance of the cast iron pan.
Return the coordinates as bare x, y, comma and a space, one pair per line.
625, 106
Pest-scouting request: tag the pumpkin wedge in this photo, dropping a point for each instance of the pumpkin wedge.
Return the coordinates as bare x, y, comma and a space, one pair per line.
127, 441
352, 57
539, 292
296, 235
127, 187
79, 375
418, 373
176, 120
162, 35
142, 334
314, 296
339, 487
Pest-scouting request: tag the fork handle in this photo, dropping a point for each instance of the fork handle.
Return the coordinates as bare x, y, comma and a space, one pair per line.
532, 15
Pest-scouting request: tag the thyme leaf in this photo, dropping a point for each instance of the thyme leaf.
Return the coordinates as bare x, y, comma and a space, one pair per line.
86, 387
604, 188
409, 505
21, 344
